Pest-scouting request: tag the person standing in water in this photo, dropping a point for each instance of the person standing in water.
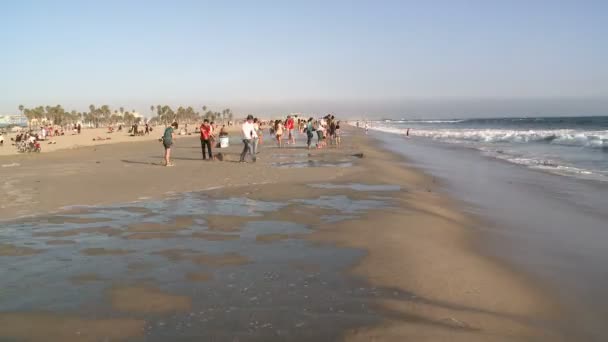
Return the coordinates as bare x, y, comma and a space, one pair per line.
168, 142
249, 134
206, 139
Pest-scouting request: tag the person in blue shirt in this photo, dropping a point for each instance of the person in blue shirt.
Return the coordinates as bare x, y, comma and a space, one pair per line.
168, 142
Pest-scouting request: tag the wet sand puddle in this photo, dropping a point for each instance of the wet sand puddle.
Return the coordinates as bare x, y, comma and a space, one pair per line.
303, 160
183, 268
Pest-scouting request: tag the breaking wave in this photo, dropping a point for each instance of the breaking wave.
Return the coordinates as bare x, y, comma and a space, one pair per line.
591, 139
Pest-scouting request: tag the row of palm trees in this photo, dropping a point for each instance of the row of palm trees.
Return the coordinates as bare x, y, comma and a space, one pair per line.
165, 114
103, 115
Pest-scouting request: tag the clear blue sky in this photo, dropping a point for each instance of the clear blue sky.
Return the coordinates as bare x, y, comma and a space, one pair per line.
425, 58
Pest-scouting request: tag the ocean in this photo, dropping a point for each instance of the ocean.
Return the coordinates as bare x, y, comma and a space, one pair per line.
540, 189
570, 146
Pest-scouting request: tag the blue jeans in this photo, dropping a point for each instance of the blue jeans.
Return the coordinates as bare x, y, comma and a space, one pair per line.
247, 149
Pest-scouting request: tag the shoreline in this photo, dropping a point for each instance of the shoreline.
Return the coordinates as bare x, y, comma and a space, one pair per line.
421, 245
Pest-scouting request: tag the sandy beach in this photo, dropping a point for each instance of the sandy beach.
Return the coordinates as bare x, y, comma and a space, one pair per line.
346, 243
87, 137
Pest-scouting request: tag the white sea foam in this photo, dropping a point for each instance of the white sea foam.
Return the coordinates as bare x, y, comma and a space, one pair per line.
492, 143
593, 139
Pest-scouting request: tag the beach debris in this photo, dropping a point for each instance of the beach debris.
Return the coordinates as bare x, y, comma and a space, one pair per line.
11, 165
358, 155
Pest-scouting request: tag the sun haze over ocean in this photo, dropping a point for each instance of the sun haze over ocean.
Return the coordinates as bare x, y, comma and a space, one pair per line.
374, 58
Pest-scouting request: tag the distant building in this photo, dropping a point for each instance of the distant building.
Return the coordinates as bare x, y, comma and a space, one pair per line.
13, 120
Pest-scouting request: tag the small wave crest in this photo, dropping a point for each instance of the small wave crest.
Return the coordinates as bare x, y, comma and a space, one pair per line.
591, 139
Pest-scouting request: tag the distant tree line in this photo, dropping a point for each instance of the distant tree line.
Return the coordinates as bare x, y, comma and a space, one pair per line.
165, 114
103, 115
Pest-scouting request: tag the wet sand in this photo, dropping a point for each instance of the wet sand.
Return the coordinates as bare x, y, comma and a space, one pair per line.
329, 247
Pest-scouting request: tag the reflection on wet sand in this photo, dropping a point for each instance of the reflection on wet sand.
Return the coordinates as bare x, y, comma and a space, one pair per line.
208, 265
85, 278
104, 251
198, 276
60, 242
225, 223
47, 327
226, 259
142, 299
267, 238
148, 236
214, 236
109, 231
12, 250
179, 223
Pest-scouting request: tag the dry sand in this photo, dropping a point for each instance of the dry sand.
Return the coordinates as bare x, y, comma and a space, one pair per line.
85, 138
423, 245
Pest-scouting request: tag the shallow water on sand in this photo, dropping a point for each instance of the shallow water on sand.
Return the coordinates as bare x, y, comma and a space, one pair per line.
189, 266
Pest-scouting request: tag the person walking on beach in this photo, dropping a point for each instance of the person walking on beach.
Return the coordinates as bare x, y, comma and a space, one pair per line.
206, 139
309, 132
249, 134
168, 142
289, 125
258, 132
366, 127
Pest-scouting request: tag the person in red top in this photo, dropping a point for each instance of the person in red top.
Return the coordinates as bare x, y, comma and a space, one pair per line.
206, 139
289, 125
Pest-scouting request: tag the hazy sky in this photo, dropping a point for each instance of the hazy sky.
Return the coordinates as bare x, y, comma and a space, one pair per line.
399, 58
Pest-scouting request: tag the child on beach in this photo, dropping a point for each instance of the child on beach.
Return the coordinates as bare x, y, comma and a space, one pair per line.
167, 140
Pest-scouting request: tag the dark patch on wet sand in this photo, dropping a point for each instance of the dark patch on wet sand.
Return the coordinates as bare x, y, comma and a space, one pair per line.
12, 250
214, 236
104, 251
149, 236
306, 267
179, 223
198, 276
268, 238
60, 242
85, 278
226, 223
226, 259
109, 231
46, 327
77, 220
143, 299
140, 266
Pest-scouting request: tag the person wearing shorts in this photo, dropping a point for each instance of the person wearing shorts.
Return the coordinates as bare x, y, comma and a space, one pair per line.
278, 132
289, 125
168, 142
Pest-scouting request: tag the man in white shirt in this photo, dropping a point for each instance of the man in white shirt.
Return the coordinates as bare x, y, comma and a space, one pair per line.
249, 133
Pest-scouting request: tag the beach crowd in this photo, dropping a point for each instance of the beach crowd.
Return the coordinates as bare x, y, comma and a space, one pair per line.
326, 129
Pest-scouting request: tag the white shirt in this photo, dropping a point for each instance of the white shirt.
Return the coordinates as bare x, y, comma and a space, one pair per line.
248, 131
